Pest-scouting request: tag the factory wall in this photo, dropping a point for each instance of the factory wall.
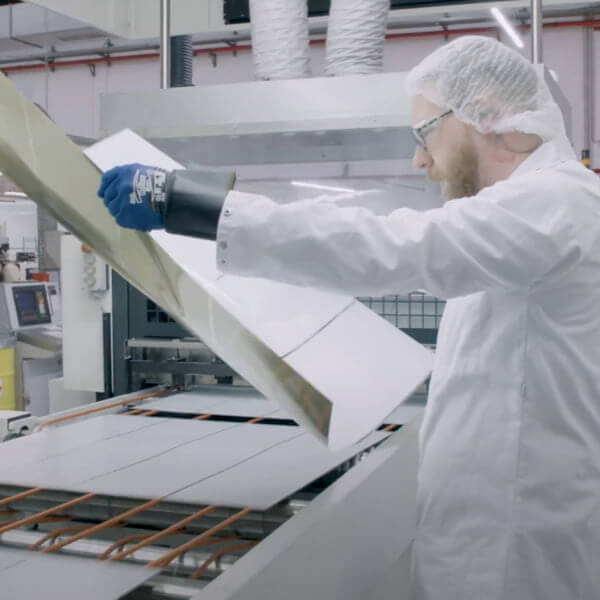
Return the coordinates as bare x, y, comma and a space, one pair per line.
71, 94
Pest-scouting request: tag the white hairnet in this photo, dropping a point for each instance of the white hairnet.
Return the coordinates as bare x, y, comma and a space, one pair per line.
488, 85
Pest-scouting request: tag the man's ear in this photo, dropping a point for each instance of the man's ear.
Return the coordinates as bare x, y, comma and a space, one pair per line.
516, 142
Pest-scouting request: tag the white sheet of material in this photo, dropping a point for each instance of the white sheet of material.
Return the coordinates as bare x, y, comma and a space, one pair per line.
199, 462
331, 340
37, 576
220, 400
52, 170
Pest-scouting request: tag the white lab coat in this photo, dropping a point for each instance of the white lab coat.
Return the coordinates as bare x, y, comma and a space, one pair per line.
509, 481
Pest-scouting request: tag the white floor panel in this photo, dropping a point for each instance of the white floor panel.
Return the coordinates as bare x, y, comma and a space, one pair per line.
273, 475
38, 576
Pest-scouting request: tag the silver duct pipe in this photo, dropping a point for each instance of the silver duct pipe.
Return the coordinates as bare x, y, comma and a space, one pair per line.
182, 61
280, 38
356, 36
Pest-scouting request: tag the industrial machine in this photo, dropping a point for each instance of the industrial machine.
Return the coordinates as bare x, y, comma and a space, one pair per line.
28, 322
205, 494
187, 483
25, 305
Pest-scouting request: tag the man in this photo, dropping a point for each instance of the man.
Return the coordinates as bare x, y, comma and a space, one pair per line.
509, 480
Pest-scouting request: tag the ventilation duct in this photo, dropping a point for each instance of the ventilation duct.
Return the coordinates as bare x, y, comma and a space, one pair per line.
280, 39
182, 58
356, 36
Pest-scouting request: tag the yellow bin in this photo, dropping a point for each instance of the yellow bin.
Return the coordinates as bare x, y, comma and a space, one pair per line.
7, 379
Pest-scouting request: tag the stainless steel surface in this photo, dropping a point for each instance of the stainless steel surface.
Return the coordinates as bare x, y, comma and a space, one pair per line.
304, 120
165, 45
132, 19
537, 54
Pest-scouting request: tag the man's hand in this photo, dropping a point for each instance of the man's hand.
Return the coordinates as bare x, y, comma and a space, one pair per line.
135, 196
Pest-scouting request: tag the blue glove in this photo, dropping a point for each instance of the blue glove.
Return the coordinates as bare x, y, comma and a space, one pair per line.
134, 195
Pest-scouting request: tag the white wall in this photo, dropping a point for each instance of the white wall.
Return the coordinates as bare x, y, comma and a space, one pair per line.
71, 94
21, 224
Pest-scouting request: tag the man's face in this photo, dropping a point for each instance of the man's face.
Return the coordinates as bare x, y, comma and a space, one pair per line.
449, 154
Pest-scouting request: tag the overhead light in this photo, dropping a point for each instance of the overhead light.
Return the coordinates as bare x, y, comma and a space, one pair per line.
16, 194
506, 25
318, 186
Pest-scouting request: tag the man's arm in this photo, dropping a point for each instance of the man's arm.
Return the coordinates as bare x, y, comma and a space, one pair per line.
507, 237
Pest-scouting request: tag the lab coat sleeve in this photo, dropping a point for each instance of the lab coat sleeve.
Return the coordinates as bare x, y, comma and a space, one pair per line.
509, 236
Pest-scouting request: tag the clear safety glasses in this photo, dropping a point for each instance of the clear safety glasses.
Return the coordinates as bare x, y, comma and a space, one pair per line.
423, 129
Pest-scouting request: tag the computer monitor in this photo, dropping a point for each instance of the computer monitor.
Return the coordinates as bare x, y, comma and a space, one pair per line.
32, 306
24, 305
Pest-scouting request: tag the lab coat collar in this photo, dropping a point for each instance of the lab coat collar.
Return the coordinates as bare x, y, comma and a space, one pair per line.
549, 153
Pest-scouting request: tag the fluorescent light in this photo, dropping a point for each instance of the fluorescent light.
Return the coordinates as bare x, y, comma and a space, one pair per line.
318, 186
510, 30
17, 194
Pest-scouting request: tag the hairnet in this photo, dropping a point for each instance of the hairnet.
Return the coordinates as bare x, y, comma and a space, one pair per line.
488, 85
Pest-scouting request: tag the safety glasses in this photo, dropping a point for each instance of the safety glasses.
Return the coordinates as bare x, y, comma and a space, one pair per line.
423, 129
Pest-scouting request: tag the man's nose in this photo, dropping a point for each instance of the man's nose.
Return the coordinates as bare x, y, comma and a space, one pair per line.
422, 159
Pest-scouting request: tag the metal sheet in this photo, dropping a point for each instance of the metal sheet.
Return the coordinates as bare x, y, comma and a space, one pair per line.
283, 316
393, 368
40, 576
52, 170
72, 470
336, 343
191, 463
272, 476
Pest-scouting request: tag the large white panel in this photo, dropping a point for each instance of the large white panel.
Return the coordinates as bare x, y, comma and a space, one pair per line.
283, 316
186, 465
57, 441
104, 457
9, 558
354, 346
393, 368
272, 476
65, 577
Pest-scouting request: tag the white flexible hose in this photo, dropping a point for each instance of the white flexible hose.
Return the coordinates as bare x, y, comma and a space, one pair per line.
280, 39
355, 36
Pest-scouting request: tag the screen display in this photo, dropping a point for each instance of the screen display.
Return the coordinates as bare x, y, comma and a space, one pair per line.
31, 304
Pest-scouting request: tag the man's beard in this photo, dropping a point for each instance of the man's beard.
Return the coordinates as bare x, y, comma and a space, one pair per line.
460, 179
